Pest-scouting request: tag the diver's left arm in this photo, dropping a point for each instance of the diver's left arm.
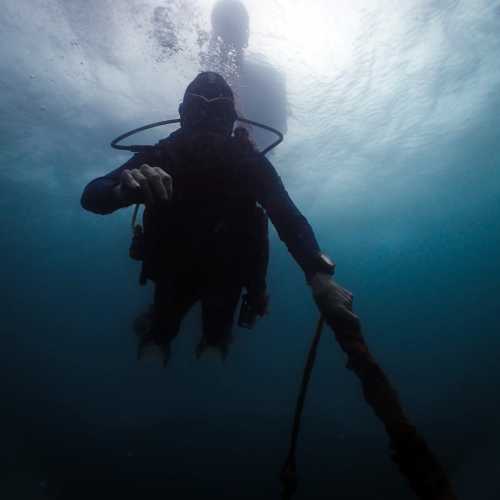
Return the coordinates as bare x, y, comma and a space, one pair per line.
296, 232
293, 228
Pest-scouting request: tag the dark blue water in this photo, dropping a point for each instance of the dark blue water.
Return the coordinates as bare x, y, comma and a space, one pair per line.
393, 155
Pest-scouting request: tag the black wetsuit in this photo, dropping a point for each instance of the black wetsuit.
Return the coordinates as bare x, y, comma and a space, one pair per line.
198, 245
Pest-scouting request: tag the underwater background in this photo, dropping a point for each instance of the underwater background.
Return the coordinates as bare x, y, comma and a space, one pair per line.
392, 151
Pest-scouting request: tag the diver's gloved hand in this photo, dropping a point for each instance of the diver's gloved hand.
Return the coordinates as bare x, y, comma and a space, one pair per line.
150, 185
333, 300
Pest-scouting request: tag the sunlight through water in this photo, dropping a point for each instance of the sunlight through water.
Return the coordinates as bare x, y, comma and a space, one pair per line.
390, 110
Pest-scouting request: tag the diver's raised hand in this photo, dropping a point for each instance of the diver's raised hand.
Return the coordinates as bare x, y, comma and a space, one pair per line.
151, 185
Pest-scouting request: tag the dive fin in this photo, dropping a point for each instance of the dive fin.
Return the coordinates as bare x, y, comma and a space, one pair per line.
203, 347
149, 349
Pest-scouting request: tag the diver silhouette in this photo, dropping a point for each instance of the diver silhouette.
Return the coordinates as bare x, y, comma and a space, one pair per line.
207, 195
260, 90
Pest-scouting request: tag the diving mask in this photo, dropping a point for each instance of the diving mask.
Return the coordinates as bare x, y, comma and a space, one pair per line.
198, 111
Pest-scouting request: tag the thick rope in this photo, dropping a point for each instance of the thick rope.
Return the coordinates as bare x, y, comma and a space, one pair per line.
410, 452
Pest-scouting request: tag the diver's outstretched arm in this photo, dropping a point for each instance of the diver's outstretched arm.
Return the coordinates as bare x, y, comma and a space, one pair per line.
292, 227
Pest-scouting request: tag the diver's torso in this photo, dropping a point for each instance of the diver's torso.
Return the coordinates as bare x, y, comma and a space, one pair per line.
209, 223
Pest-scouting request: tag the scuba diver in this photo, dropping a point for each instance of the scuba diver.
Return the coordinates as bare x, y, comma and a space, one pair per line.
207, 193
259, 88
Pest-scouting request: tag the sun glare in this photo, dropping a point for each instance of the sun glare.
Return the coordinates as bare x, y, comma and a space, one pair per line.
312, 36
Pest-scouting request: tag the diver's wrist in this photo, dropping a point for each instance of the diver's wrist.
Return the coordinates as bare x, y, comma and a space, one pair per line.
320, 263
319, 282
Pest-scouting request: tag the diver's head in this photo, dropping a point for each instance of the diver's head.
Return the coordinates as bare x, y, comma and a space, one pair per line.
230, 22
208, 105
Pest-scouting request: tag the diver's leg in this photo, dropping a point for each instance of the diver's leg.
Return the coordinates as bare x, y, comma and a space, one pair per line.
219, 304
172, 301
